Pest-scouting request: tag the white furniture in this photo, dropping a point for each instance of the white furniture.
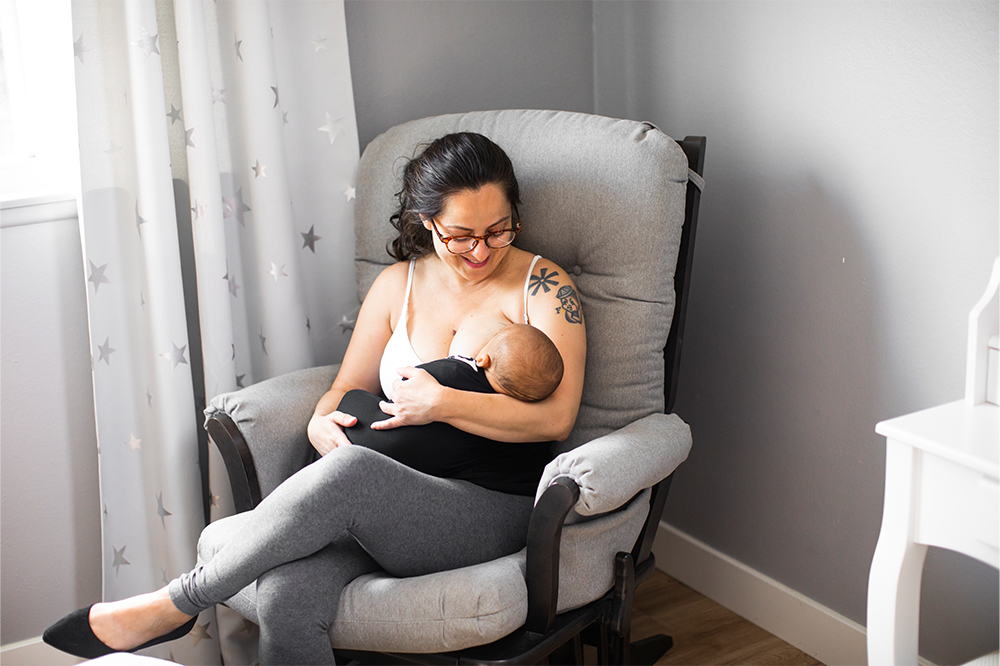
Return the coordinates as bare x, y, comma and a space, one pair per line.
941, 489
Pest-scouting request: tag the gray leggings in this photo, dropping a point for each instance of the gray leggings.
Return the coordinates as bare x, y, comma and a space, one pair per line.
349, 513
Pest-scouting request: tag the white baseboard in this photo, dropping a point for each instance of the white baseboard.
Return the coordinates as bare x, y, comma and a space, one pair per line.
33, 652
794, 618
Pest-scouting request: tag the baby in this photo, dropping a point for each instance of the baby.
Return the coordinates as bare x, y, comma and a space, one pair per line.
519, 361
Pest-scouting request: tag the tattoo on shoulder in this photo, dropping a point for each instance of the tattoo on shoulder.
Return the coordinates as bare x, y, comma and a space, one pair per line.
570, 304
544, 280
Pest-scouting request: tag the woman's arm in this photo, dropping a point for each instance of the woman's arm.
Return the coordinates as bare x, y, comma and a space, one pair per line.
554, 308
359, 369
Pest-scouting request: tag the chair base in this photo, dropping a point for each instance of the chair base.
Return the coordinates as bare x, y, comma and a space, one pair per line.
648, 651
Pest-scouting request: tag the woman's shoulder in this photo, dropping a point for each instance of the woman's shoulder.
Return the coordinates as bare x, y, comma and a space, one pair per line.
393, 275
546, 274
390, 284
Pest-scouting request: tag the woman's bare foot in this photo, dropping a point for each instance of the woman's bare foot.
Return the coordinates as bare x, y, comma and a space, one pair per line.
129, 623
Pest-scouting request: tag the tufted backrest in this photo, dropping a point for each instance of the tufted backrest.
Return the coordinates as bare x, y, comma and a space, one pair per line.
603, 199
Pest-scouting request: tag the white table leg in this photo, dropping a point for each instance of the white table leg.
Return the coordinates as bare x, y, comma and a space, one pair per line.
894, 580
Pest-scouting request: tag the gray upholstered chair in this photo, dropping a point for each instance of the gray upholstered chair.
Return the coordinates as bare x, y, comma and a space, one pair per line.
606, 200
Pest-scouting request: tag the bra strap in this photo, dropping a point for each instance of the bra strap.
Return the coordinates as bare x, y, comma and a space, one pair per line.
527, 280
406, 297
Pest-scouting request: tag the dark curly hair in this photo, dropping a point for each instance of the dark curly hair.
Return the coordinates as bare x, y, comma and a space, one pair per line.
453, 163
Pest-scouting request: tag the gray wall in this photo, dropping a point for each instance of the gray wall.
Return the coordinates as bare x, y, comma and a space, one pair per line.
50, 520
848, 226
417, 58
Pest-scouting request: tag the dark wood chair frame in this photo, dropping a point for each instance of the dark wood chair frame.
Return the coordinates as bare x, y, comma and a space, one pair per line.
546, 635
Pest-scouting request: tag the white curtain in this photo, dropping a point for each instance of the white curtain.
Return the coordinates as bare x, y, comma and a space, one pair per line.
218, 153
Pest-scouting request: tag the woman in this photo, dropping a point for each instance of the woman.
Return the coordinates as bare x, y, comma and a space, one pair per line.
458, 281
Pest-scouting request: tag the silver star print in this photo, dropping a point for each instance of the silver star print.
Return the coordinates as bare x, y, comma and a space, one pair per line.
320, 44
346, 324
263, 342
309, 326
176, 355
106, 350
149, 398
258, 170
113, 150
174, 115
309, 239
217, 95
234, 206
198, 210
233, 285
147, 43
79, 49
284, 117
213, 498
275, 90
139, 220
187, 138
277, 271
332, 126
160, 511
119, 558
200, 632
134, 442
97, 275
239, 381
237, 43
350, 193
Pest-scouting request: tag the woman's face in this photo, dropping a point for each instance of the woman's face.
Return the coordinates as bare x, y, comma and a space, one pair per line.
476, 213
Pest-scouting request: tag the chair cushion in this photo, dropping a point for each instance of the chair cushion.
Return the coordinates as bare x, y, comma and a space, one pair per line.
604, 199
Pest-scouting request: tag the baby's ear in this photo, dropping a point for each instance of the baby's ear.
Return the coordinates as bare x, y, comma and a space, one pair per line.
483, 361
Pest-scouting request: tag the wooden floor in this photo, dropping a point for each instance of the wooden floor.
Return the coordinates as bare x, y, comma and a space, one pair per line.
704, 632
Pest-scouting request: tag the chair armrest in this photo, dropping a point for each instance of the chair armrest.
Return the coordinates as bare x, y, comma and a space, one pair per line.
542, 560
261, 430
610, 470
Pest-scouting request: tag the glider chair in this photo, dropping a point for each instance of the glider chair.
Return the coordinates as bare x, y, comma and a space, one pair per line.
613, 202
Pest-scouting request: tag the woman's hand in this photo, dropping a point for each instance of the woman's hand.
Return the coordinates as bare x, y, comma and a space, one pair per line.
414, 397
326, 431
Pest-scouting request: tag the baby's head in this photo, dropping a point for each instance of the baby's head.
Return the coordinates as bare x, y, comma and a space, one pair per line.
521, 362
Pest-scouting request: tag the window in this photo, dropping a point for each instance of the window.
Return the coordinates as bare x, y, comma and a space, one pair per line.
39, 154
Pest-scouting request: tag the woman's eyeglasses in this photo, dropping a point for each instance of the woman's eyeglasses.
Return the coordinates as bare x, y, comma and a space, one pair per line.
494, 240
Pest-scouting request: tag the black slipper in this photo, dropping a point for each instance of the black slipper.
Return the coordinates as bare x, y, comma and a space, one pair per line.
73, 634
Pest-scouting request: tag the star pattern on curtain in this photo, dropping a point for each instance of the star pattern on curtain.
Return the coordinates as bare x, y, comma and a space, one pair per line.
147, 43
106, 350
119, 559
97, 275
332, 127
251, 137
309, 239
139, 220
79, 49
